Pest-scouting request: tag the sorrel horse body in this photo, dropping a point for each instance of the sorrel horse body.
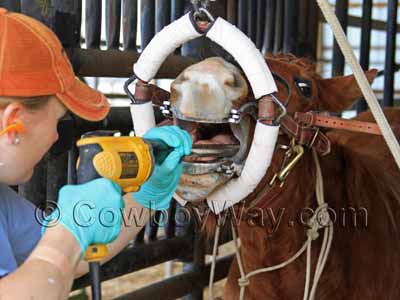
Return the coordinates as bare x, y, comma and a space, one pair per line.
362, 190
361, 186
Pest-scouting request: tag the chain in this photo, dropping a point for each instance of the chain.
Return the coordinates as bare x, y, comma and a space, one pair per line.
201, 3
200, 8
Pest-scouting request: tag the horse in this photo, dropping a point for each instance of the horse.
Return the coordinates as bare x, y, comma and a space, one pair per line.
359, 175
360, 186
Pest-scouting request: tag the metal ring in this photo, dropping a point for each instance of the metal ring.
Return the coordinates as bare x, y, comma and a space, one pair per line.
203, 10
126, 88
282, 106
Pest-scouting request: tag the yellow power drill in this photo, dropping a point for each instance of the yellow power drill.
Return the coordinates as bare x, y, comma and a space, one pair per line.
127, 161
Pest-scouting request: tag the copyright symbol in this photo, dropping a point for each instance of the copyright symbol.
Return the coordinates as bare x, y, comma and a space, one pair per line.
49, 216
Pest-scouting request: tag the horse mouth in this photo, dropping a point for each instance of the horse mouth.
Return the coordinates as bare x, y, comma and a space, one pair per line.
210, 141
218, 153
215, 144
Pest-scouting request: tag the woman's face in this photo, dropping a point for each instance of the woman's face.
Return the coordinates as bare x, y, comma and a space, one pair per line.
17, 161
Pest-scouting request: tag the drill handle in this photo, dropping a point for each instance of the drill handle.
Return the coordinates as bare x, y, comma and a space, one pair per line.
86, 170
160, 150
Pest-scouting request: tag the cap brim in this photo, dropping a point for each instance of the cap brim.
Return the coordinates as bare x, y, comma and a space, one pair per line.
85, 102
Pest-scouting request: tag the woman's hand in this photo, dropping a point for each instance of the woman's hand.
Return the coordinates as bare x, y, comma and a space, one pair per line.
157, 192
91, 212
86, 214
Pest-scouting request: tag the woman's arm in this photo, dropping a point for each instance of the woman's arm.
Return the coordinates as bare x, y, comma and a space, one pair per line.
48, 271
134, 219
156, 193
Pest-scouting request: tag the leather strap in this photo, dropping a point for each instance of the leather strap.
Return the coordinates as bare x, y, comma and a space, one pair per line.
266, 197
305, 129
307, 136
266, 110
145, 92
314, 119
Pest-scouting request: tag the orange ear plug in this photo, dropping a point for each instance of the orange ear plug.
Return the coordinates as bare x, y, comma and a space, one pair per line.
17, 127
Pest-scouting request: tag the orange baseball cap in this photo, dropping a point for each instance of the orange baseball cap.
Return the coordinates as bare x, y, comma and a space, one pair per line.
34, 63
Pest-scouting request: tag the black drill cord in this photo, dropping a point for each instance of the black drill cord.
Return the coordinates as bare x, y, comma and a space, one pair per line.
94, 269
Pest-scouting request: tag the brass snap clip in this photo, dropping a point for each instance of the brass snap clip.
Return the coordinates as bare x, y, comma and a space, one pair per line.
294, 154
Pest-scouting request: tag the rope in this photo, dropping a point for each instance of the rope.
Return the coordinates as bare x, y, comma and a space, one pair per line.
325, 223
214, 259
319, 220
362, 81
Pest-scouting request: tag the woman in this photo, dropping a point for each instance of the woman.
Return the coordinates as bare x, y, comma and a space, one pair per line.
37, 88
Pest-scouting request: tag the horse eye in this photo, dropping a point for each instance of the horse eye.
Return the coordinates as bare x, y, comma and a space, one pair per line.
304, 86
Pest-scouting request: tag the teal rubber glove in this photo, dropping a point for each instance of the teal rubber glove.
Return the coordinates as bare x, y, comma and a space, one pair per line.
91, 212
156, 193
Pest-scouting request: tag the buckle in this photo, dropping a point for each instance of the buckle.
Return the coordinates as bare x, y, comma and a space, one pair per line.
305, 119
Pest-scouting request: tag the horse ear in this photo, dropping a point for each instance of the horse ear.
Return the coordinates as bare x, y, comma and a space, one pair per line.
339, 93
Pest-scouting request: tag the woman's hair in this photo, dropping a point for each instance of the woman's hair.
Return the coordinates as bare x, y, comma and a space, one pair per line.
32, 103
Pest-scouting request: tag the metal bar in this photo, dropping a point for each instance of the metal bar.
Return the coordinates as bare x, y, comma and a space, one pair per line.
147, 14
95, 278
179, 285
152, 226
242, 15
197, 264
11, 5
341, 9
119, 118
310, 49
39, 10
115, 63
170, 224
278, 35
232, 11
365, 44
252, 20
218, 8
376, 24
93, 23
139, 238
163, 14
113, 23
260, 23
177, 9
141, 257
67, 22
290, 26
129, 24
201, 47
390, 53
269, 29
302, 27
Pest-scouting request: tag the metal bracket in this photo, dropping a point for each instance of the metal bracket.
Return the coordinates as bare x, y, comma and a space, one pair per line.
226, 169
282, 107
166, 109
248, 108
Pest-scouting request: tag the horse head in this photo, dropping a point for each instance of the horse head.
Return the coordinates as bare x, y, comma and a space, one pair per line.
202, 99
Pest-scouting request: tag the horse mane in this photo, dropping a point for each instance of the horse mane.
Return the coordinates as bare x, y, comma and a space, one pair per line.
304, 63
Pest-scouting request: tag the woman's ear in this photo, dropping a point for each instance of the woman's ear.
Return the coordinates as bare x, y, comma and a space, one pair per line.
10, 121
